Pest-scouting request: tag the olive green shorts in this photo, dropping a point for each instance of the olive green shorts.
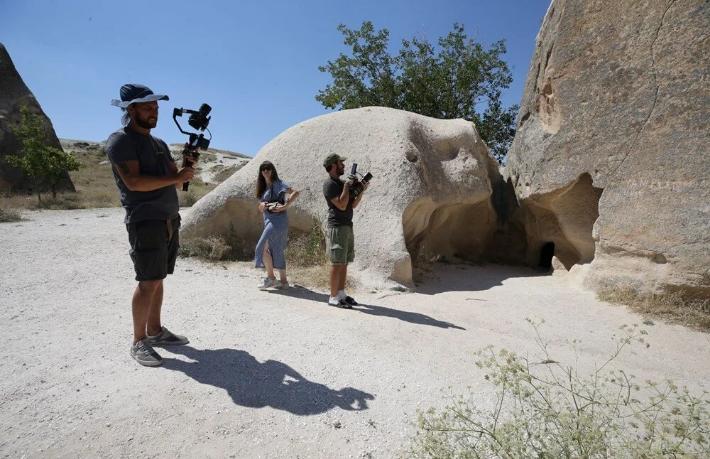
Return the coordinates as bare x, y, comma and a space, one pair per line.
341, 245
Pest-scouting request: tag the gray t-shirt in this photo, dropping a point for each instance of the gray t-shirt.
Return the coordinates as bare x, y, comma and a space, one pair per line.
332, 188
154, 158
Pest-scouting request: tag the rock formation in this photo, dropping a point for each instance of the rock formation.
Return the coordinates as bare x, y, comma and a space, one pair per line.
610, 161
430, 196
14, 94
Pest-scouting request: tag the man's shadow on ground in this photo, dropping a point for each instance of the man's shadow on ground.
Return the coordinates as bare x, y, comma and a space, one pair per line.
411, 317
257, 384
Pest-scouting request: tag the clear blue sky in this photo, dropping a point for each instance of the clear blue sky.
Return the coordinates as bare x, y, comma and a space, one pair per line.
255, 62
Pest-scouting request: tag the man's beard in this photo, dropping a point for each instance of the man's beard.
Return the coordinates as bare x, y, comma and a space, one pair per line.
145, 123
340, 170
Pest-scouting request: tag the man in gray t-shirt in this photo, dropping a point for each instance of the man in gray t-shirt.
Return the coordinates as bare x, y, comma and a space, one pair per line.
340, 238
146, 177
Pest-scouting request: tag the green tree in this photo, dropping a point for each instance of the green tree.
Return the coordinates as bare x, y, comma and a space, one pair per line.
457, 79
46, 165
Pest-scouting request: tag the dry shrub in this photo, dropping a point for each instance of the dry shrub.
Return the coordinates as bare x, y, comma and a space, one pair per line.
316, 277
308, 262
306, 249
9, 215
212, 248
674, 307
545, 408
217, 248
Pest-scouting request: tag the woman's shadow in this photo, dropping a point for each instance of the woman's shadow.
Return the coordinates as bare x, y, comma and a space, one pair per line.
255, 384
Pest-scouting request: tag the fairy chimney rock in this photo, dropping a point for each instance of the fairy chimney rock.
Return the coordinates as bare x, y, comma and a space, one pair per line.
14, 94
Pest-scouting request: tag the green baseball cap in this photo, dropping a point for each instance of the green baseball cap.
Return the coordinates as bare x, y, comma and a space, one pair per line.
332, 159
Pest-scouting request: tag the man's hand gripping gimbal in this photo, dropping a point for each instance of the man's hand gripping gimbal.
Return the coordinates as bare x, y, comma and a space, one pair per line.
199, 121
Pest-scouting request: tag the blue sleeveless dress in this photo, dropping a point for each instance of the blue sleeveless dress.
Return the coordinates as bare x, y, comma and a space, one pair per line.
275, 228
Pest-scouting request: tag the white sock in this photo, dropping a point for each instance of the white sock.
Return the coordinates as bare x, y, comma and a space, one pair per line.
341, 294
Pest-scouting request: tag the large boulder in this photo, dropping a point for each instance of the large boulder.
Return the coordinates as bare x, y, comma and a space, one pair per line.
430, 196
14, 94
610, 160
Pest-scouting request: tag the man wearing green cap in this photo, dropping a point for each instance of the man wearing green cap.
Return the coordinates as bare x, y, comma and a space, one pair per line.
340, 238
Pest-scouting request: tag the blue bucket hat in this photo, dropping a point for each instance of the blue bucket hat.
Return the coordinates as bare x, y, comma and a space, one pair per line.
136, 93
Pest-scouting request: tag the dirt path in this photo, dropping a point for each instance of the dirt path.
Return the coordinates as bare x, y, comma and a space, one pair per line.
265, 374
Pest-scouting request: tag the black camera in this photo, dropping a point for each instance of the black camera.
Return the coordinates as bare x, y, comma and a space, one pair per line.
198, 120
358, 185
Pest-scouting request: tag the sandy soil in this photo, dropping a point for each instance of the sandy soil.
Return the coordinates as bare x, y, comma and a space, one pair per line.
266, 374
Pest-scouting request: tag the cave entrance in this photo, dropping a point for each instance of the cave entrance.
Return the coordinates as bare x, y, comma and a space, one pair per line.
547, 251
447, 231
564, 218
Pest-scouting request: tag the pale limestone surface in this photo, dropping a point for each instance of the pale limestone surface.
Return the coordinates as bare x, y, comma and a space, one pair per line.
270, 374
430, 195
614, 123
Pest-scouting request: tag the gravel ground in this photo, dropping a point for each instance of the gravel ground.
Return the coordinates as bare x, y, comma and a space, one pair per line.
265, 374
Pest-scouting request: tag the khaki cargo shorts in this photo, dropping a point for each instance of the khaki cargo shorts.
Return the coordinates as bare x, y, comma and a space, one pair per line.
341, 245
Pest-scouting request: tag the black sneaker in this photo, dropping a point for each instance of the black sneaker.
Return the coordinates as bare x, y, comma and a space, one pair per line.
166, 338
350, 300
143, 353
334, 301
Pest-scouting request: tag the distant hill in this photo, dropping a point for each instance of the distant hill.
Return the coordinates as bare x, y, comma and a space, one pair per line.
215, 165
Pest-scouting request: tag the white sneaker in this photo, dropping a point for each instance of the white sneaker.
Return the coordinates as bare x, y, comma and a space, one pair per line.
267, 282
335, 301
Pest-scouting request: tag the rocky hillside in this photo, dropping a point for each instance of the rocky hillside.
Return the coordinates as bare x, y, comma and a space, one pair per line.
14, 95
215, 165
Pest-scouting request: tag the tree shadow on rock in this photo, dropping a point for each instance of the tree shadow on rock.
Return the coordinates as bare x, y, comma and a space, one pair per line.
255, 384
406, 316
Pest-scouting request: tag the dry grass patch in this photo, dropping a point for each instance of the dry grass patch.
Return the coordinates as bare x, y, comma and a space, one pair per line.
306, 260
95, 186
230, 247
212, 248
227, 172
10, 215
672, 307
195, 192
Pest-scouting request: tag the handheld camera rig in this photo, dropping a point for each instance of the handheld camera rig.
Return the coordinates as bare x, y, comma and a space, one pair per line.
199, 121
357, 186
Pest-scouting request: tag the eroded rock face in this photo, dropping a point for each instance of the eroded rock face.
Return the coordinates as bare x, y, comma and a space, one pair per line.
14, 94
429, 198
616, 110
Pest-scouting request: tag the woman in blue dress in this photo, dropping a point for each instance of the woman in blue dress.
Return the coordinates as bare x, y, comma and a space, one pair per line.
275, 196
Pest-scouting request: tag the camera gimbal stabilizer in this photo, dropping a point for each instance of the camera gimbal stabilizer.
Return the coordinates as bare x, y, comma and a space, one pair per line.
199, 121
358, 181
